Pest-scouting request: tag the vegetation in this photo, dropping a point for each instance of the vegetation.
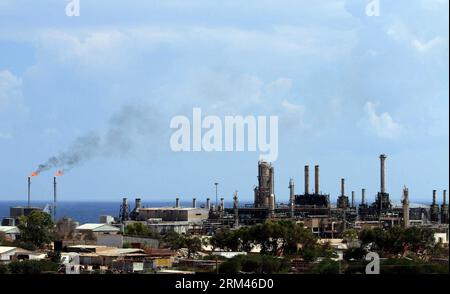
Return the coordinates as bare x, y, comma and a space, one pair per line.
3, 269
36, 229
32, 267
410, 266
54, 256
177, 241
397, 240
259, 264
141, 230
273, 237
326, 267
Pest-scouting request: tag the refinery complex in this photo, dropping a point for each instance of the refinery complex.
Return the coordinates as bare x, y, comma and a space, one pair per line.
313, 207
141, 239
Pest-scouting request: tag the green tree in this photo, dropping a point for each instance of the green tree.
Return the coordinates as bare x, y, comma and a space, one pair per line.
3, 269
54, 256
232, 266
396, 240
193, 244
137, 229
225, 239
350, 235
36, 228
32, 266
173, 240
259, 264
326, 267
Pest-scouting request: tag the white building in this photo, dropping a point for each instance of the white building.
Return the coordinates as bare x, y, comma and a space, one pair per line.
7, 253
97, 229
10, 232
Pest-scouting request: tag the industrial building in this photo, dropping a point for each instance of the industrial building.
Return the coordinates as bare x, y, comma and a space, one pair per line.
313, 208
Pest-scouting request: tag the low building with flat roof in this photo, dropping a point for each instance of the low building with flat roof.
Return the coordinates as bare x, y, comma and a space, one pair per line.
10, 232
173, 214
97, 228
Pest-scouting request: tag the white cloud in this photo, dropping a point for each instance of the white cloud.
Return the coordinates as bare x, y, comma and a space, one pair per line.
10, 89
291, 107
382, 124
401, 33
427, 46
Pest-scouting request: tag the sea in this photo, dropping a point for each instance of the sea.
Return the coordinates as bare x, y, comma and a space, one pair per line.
90, 211
87, 211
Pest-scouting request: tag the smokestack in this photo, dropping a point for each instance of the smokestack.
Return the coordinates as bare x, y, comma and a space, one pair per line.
138, 204
317, 176
54, 199
353, 199
177, 203
208, 203
124, 210
444, 200
363, 196
382, 173
306, 179
222, 204
272, 205
292, 195
434, 197
444, 209
405, 207
194, 203
29, 191
236, 210
342, 187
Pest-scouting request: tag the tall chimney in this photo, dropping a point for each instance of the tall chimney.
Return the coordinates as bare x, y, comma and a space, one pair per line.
306, 179
177, 203
194, 203
363, 196
272, 205
138, 204
54, 199
236, 209
342, 187
222, 204
208, 203
434, 197
317, 176
292, 196
444, 209
29, 191
405, 207
444, 200
382, 173
353, 199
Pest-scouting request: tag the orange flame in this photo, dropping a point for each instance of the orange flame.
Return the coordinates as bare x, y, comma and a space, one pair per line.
34, 174
59, 173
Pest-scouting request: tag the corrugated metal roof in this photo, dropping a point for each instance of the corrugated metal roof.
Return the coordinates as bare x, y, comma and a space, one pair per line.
98, 228
5, 249
9, 229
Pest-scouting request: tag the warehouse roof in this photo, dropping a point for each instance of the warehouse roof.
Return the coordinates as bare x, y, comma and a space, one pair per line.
5, 249
9, 230
97, 228
172, 208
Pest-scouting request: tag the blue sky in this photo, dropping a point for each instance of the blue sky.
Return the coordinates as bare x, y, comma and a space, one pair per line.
346, 87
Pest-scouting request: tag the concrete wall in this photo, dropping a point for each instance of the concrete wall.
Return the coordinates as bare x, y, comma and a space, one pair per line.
110, 240
174, 214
